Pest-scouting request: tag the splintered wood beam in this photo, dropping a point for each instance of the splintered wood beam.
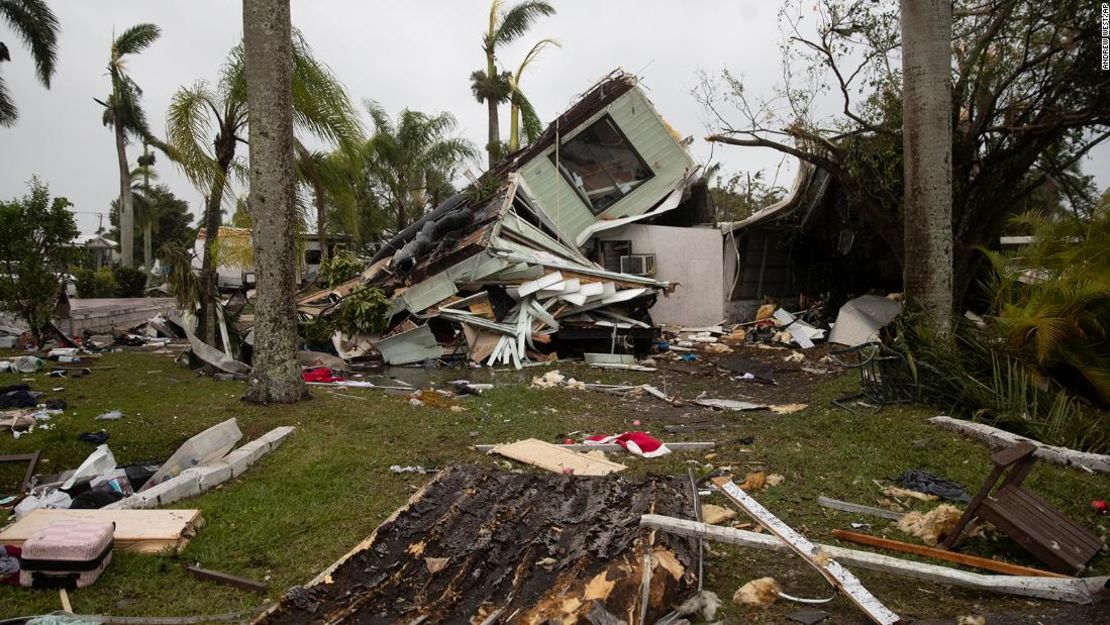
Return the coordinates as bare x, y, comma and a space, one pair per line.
230, 580
819, 558
1081, 590
943, 554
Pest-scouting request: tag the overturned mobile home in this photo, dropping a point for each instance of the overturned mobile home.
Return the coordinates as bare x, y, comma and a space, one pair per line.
498, 272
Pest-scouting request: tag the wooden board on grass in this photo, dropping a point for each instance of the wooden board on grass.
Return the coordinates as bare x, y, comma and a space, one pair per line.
556, 459
139, 531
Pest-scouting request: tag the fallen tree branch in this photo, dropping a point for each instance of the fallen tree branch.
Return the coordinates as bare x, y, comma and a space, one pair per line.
1074, 590
1000, 438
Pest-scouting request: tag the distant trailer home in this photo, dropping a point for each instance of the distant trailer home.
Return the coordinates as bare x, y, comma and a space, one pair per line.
102, 251
235, 255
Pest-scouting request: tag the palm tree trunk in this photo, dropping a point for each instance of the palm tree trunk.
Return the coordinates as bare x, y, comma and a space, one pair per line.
493, 147
267, 36
514, 126
148, 260
126, 216
206, 323
927, 155
321, 222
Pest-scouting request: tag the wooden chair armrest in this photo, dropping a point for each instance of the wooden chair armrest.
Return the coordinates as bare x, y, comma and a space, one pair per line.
1014, 453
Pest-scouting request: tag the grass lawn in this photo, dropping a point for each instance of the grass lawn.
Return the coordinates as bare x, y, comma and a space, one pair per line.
329, 484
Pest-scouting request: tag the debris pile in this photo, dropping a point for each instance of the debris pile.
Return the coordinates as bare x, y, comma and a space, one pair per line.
481, 278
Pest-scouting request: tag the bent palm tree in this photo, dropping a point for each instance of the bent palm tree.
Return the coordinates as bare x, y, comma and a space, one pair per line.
489, 85
37, 26
412, 160
520, 106
206, 115
123, 112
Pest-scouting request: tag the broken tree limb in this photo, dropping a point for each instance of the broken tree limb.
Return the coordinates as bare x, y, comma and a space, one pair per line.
225, 578
846, 506
1074, 590
943, 554
997, 438
832, 570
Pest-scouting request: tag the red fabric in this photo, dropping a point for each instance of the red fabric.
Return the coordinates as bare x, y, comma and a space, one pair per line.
639, 443
320, 374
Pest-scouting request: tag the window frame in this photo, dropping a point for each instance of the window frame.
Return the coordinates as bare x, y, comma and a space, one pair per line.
581, 193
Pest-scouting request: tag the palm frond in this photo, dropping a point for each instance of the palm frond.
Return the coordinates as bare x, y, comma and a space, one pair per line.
518, 19
189, 124
37, 26
135, 40
8, 113
530, 122
320, 102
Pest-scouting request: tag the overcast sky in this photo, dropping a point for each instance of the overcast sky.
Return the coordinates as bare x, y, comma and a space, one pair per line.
417, 54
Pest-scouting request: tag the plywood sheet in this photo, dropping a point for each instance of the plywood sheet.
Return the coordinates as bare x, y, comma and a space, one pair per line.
556, 459
141, 531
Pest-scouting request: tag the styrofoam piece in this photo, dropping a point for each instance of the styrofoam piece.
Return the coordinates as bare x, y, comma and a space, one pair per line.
208, 446
196, 480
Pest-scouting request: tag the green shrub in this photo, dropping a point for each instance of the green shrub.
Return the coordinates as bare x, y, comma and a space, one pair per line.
365, 309
96, 283
131, 281
339, 268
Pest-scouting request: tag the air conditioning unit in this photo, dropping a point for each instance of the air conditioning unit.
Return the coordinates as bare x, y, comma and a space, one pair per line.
638, 264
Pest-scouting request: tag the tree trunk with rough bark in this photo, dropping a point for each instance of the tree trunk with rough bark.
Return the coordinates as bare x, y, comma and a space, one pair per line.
493, 147
206, 319
267, 36
927, 147
148, 243
126, 215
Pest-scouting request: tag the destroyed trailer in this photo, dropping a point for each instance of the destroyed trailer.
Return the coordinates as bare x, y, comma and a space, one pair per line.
502, 273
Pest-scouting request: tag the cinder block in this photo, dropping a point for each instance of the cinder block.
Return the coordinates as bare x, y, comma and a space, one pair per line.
239, 460
186, 484
212, 474
276, 435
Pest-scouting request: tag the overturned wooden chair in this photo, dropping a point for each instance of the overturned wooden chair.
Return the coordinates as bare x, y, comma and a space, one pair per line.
1063, 545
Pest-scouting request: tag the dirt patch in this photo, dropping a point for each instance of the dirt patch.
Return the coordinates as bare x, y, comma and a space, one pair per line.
534, 546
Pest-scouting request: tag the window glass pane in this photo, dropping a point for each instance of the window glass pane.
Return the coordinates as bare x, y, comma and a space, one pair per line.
601, 165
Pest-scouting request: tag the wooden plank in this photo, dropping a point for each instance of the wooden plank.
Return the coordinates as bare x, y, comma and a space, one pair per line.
230, 580
140, 531
941, 554
832, 570
32, 460
556, 459
846, 506
1072, 589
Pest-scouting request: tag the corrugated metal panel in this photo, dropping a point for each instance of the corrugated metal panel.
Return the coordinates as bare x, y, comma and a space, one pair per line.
640, 123
428, 292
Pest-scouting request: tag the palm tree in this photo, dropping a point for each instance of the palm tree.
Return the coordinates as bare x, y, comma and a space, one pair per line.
146, 204
123, 112
490, 85
410, 161
36, 25
267, 36
205, 115
520, 106
927, 149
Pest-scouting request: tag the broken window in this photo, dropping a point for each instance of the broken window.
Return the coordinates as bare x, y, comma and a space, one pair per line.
601, 165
